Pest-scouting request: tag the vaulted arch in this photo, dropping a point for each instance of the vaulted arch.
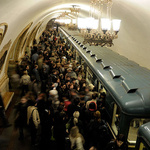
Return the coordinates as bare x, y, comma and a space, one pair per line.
18, 45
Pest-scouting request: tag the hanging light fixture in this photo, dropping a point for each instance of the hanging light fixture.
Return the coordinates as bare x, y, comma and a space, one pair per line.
69, 19
63, 19
101, 31
74, 12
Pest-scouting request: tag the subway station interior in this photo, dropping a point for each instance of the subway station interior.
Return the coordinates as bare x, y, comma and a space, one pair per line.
103, 45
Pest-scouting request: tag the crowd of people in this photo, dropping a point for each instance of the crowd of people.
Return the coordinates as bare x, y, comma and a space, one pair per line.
57, 103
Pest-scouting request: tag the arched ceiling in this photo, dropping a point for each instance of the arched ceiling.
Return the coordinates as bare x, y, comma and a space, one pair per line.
134, 35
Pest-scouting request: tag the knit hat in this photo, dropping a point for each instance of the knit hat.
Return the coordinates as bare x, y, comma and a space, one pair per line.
92, 106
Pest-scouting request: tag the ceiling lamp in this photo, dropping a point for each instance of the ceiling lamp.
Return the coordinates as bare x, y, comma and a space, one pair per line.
101, 31
71, 23
74, 13
62, 19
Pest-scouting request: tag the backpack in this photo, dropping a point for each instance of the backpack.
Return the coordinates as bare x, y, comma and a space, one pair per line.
25, 81
31, 123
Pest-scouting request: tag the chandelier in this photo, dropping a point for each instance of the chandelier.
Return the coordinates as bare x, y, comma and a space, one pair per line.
100, 31
69, 19
74, 12
62, 19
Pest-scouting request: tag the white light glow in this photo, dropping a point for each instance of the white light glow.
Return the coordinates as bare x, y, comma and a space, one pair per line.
105, 24
81, 23
74, 21
95, 24
66, 21
116, 24
87, 23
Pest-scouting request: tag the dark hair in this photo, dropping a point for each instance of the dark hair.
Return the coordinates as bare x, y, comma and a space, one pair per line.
73, 79
94, 95
35, 65
76, 101
92, 106
103, 94
60, 108
33, 77
99, 102
82, 93
54, 70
